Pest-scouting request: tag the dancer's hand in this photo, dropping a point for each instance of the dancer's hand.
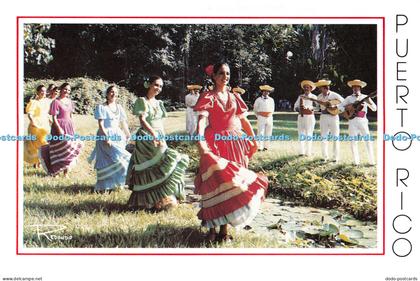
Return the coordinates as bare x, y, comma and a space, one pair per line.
253, 149
203, 149
157, 143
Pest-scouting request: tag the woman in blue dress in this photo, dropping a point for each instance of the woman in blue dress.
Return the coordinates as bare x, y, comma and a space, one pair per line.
110, 154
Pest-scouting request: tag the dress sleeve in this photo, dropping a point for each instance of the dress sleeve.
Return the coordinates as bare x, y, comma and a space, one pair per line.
140, 107
241, 107
123, 115
100, 112
54, 108
204, 103
162, 107
30, 107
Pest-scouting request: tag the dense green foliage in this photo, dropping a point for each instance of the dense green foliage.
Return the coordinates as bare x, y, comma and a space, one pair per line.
324, 185
86, 93
37, 46
281, 55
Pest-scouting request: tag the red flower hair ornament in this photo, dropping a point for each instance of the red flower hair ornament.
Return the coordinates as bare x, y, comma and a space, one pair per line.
209, 69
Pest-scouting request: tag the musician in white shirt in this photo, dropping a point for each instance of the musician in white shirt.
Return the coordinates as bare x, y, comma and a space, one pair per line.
329, 122
264, 109
306, 117
190, 101
358, 126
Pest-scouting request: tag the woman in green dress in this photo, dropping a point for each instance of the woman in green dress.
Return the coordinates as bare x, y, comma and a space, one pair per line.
155, 172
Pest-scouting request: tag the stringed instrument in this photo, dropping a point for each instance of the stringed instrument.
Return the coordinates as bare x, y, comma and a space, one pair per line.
301, 108
331, 105
350, 110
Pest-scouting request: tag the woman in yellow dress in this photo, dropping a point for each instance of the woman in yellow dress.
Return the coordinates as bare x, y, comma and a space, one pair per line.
39, 125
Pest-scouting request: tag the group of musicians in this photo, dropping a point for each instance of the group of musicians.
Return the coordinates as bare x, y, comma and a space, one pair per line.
330, 105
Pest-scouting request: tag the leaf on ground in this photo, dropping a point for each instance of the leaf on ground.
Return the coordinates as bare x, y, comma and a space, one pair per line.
344, 238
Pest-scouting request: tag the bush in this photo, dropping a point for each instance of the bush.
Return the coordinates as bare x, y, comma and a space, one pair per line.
321, 185
86, 93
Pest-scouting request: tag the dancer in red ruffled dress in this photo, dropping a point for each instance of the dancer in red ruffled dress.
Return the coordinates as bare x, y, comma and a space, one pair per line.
230, 193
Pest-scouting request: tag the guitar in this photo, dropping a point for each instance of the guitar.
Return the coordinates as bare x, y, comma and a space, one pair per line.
351, 110
301, 108
331, 105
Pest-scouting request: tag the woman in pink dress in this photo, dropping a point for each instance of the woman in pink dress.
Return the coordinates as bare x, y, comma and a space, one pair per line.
230, 193
62, 151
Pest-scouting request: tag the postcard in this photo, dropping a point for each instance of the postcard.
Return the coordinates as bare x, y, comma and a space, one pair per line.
148, 138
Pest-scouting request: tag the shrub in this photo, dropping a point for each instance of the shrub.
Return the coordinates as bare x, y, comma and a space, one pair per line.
320, 185
86, 93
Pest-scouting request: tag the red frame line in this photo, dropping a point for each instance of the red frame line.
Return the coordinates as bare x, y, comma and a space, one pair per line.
183, 253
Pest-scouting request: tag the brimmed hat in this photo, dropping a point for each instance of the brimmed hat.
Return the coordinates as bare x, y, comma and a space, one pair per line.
238, 90
308, 82
322, 82
194, 87
266, 88
357, 82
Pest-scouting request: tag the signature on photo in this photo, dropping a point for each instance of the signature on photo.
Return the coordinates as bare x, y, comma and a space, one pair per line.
49, 231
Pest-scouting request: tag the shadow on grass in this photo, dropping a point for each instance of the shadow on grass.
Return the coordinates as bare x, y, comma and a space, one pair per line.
88, 206
343, 171
282, 162
154, 236
30, 171
69, 189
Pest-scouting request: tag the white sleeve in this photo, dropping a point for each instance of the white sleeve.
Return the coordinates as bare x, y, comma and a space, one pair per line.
273, 105
188, 100
314, 105
372, 106
342, 105
339, 97
297, 105
256, 103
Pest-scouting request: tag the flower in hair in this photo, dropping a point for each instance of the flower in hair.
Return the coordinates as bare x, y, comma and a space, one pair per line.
209, 69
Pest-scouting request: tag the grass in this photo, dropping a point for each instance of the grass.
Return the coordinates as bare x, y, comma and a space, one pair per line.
103, 221
285, 123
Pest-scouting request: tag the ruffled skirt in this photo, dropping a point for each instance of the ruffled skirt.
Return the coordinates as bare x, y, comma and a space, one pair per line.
111, 162
230, 193
31, 147
60, 155
155, 174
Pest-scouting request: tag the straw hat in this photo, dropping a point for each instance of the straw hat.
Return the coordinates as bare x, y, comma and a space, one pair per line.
357, 82
194, 87
238, 90
308, 82
266, 88
322, 83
